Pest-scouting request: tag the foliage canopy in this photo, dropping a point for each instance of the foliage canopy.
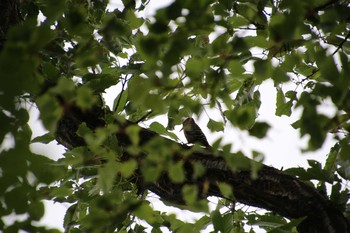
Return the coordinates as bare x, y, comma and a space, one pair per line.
189, 56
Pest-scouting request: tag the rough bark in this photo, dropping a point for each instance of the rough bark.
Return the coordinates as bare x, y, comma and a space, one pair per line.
272, 190
9, 16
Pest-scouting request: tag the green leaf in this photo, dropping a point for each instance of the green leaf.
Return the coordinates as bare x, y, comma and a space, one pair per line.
339, 195
226, 190
160, 129
50, 111
328, 68
36, 210
279, 76
106, 176
145, 47
133, 132
45, 169
141, 95
46, 138
65, 88
120, 102
236, 69
237, 160
259, 129
52, 9
85, 98
305, 69
17, 199
151, 173
195, 67
331, 162
6, 125
127, 168
288, 227
61, 191
76, 156
243, 116
133, 20
296, 124
215, 126
201, 223
190, 194
282, 107
267, 221
315, 172
222, 223
145, 212
263, 70
100, 82
14, 162
50, 71
198, 170
245, 92
298, 172
176, 172
70, 216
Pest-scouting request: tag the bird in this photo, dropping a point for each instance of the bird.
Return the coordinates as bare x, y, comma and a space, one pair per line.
193, 133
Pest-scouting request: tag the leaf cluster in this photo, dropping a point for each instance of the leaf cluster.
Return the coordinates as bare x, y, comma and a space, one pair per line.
191, 56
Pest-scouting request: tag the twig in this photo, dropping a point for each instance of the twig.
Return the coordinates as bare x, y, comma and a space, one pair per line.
121, 93
144, 117
310, 75
221, 112
323, 6
342, 43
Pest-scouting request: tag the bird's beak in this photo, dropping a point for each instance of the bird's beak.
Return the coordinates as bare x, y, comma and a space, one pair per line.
181, 129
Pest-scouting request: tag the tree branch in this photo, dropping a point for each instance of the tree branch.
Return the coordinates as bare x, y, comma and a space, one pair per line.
271, 190
326, 5
342, 43
9, 16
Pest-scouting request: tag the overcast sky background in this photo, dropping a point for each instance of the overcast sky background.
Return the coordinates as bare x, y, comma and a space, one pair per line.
282, 147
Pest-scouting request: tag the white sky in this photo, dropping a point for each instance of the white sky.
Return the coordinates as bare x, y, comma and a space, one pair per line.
281, 147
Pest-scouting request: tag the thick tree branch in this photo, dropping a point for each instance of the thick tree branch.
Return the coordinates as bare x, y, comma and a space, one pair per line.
271, 190
9, 16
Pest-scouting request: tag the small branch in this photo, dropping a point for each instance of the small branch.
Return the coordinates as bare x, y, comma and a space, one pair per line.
248, 28
221, 112
144, 117
325, 5
342, 43
121, 93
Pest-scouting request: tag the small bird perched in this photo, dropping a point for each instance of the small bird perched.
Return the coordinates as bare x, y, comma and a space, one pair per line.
193, 133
